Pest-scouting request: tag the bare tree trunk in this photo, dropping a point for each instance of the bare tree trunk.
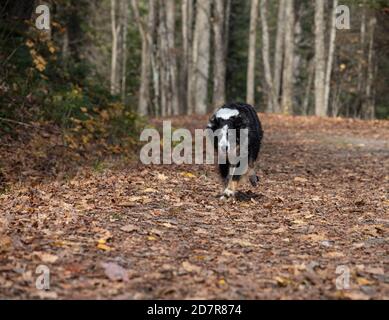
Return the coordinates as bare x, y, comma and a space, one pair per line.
162, 53
171, 56
361, 68
320, 109
115, 28
279, 53
330, 61
65, 44
368, 109
252, 53
144, 91
311, 72
271, 97
186, 67
227, 15
288, 77
219, 78
335, 101
201, 50
124, 49
154, 68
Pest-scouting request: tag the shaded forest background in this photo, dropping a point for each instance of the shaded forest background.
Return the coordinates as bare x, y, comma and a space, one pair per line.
104, 64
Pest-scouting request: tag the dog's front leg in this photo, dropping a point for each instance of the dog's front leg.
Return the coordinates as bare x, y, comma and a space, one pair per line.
231, 188
231, 185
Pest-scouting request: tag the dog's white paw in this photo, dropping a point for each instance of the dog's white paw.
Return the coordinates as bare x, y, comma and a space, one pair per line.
227, 194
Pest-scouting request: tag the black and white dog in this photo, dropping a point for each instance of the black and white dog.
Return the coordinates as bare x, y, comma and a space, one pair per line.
236, 116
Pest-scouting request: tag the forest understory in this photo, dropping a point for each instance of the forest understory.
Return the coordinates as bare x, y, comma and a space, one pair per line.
129, 231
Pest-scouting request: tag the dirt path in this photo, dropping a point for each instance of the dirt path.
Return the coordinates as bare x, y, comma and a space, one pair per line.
161, 232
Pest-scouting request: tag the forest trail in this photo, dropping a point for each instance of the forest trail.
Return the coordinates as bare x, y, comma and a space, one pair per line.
142, 232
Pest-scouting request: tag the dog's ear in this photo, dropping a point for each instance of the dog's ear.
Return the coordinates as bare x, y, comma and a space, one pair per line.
239, 121
212, 124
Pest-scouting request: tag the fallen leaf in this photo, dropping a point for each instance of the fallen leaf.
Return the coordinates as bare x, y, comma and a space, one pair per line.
188, 175
279, 230
243, 243
190, 267
373, 270
363, 281
162, 177
5, 243
355, 295
222, 282
314, 237
333, 254
115, 272
46, 257
168, 225
299, 222
282, 281
103, 246
129, 228
49, 295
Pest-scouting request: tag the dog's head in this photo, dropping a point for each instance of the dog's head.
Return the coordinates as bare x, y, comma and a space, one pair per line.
222, 122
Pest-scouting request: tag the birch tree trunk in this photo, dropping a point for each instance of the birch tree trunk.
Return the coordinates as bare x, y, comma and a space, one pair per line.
186, 66
124, 49
153, 83
171, 56
320, 109
368, 108
219, 77
279, 53
227, 16
362, 57
201, 51
271, 97
162, 54
331, 52
307, 95
250, 87
114, 55
144, 91
288, 76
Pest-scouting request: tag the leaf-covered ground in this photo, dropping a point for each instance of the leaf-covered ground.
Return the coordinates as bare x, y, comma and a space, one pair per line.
141, 232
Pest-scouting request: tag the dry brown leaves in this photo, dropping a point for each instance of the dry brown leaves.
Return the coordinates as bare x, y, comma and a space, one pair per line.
160, 231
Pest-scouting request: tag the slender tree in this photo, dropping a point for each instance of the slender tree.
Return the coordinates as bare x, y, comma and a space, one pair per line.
124, 11
144, 30
330, 60
250, 87
201, 57
271, 96
279, 53
186, 61
368, 108
288, 76
320, 67
220, 33
115, 29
